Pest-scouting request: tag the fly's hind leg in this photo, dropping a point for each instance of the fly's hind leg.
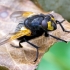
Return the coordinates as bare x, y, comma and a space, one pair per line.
20, 46
37, 53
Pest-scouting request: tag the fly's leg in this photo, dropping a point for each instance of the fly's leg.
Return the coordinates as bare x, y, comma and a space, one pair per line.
62, 26
20, 46
55, 37
37, 53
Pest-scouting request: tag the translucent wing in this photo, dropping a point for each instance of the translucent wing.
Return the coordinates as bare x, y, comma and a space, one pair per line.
20, 16
20, 30
10, 37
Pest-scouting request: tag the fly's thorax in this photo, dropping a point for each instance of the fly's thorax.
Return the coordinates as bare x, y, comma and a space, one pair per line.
33, 22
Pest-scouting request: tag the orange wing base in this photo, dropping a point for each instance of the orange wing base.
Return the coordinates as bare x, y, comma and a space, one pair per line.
25, 32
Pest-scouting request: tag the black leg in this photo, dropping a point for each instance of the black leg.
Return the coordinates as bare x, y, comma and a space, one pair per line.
34, 47
20, 46
57, 38
20, 43
62, 26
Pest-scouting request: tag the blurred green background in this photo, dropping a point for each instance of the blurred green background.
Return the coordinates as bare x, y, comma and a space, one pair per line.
60, 6
57, 58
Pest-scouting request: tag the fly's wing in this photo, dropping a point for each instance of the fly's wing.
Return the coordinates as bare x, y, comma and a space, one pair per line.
23, 32
20, 30
20, 16
4, 39
10, 37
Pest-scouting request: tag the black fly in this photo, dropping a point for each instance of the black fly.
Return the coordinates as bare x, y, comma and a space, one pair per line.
37, 24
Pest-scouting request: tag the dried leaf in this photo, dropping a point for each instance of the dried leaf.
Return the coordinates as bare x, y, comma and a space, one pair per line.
22, 58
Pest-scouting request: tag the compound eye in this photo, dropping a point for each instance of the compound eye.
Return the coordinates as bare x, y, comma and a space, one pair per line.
44, 24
